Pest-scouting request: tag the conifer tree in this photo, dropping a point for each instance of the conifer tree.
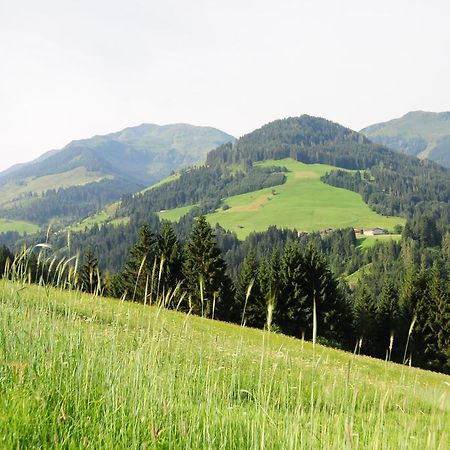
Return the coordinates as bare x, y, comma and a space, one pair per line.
90, 278
269, 283
414, 308
294, 311
5, 255
170, 258
137, 279
249, 302
206, 282
321, 287
364, 319
308, 281
386, 317
446, 246
437, 336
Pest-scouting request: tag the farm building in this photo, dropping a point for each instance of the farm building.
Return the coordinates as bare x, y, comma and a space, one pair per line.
375, 231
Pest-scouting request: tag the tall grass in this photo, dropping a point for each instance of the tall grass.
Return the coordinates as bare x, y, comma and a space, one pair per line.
80, 371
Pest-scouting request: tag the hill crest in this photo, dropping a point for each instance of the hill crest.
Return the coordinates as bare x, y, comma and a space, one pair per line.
422, 134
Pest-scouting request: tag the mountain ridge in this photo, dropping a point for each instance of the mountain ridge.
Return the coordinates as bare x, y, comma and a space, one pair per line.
423, 134
125, 137
118, 163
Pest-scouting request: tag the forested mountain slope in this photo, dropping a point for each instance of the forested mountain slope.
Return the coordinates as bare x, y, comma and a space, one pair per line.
86, 174
418, 133
391, 183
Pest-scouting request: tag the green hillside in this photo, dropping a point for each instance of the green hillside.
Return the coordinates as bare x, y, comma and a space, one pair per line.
17, 225
93, 172
418, 133
83, 371
17, 189
304, 202
107, 215
366, 242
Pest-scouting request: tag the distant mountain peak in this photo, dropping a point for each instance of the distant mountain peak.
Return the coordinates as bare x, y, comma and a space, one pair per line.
118, 163
423, 134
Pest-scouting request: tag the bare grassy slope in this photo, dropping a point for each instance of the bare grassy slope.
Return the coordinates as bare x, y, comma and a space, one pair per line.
83, 371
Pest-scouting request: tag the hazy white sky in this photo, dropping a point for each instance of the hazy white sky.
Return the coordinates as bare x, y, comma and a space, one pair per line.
70, 69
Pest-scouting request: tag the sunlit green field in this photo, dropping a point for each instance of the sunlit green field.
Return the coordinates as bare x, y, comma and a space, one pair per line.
175, 214
354, 278
83, 372
365, 242
104, 217
76, 177
17, 225
303, 202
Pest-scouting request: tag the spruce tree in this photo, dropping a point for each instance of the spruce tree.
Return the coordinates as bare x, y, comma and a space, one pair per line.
206, 283
320, 286
249, 303
137, 280
414, 308
437, 336
387, 312
5, 255
446, 246
294, 310
270, 285
170, 259
90, 278
308, 281
364, 319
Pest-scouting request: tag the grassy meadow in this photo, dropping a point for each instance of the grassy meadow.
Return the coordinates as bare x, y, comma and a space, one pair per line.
103, 217
82, 371
365, 242
175, 214
304, 202
17, 225
76, 177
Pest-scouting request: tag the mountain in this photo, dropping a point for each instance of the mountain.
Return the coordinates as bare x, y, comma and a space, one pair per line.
418, 133
90, 173
245, 195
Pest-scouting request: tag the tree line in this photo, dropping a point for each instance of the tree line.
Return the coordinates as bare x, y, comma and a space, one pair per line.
204, 186
399, 309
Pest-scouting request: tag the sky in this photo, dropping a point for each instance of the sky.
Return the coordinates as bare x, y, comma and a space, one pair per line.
73, 69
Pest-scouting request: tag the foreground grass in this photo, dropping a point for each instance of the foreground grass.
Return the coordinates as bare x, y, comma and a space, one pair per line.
78, 371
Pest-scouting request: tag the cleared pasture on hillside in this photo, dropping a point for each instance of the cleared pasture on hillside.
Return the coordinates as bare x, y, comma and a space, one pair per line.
76, 177
17, 225
303, 202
